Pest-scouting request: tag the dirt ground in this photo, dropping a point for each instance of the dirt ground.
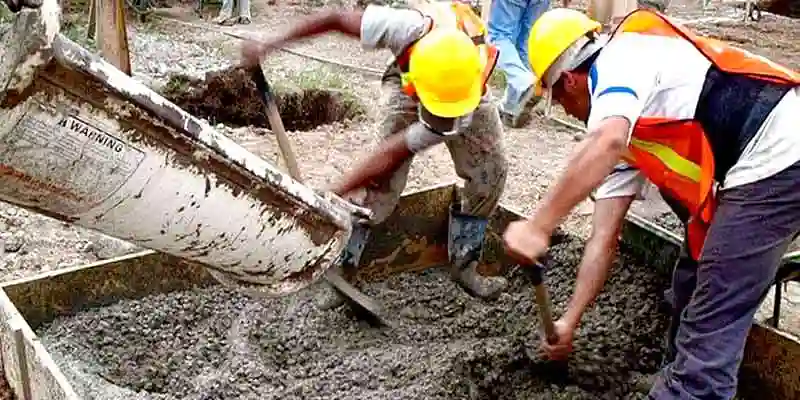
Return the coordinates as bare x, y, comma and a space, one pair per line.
162, 49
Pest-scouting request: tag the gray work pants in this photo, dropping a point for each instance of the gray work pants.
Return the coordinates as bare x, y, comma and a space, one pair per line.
715, 299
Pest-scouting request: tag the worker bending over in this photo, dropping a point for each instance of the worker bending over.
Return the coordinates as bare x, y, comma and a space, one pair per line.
434, 91
717, 129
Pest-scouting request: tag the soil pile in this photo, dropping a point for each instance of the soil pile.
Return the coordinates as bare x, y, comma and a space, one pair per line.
230, 97
217, 343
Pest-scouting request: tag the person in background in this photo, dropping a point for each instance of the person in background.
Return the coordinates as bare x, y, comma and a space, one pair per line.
658, 5
611, 12
434, 92
510, 23
226, 16
717, 133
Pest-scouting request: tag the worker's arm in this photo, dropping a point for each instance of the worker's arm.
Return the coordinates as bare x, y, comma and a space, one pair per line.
377, 166
620, 84
377, 27
592, 160
396, 149
598, 256
347, 23
612, 201
590, 163
595, 266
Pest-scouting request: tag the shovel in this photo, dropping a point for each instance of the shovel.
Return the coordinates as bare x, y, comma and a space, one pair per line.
362, 305
536, 274
543, 302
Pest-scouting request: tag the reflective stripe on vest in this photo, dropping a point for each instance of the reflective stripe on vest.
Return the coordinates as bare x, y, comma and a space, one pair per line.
461, 16
676, 154
670, 158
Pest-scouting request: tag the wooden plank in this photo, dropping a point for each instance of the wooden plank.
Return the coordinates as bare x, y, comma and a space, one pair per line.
112, 38
19, 346
30, 371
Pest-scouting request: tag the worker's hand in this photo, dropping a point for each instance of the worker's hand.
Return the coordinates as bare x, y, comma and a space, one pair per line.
253, 51
561, 349
525, 241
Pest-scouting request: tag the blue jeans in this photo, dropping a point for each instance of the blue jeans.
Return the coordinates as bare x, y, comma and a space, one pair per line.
510, 23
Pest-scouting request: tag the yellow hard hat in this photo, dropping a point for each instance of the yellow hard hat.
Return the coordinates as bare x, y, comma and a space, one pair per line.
445, 68
553, 33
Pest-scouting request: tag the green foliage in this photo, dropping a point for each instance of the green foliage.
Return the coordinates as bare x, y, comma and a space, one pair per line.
498, 79
6, 16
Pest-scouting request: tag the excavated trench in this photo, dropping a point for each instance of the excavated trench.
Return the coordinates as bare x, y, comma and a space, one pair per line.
216, 343
230, 97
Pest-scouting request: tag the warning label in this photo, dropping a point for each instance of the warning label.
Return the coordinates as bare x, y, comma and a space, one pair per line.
63, 162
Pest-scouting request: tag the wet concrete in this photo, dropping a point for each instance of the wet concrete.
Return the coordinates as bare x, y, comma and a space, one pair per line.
230, 97
216, 343
669, 221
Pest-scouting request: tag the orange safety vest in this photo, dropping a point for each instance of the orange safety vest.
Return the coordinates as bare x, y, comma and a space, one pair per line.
675, 154
458, 14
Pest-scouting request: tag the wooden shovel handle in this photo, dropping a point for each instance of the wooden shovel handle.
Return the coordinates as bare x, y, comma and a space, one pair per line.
275, 122
543, 301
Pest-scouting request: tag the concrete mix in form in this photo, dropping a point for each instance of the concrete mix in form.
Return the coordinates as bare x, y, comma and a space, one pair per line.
217, 344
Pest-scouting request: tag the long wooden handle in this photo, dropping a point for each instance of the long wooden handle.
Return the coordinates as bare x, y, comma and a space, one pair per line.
545, 313
543, 302
275, 122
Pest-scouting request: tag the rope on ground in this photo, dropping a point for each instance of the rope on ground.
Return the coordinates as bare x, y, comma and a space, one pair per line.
367, 70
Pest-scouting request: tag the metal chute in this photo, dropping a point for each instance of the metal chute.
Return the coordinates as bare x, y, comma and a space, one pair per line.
83, 142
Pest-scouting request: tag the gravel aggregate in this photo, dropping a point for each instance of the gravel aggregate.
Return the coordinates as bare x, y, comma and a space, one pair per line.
33, 243
217, 343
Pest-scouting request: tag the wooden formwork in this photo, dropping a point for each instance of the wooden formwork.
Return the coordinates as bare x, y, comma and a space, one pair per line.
412, 239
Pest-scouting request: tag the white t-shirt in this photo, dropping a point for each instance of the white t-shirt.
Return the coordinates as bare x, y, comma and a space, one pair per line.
395, 29
642, 75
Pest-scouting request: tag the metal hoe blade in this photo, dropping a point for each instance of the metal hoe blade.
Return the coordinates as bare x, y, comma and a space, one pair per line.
363, 306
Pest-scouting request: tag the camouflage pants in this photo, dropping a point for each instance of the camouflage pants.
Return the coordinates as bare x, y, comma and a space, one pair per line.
478, 155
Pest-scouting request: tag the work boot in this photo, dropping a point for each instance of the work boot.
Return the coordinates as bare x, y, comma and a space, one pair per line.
485, 287
528, 102
225, 19
229, 22
465, 241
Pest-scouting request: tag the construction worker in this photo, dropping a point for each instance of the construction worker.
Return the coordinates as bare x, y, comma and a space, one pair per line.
712, 126
226, 13
435, 92
510, 23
